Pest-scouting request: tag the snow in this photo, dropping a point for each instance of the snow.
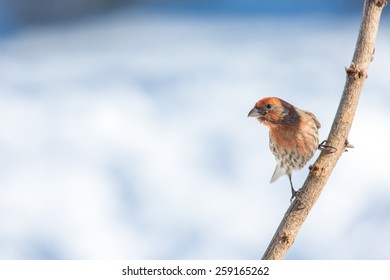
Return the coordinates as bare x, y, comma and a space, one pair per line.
125, 136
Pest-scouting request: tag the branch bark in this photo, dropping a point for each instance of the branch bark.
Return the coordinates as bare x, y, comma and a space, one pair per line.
322, 168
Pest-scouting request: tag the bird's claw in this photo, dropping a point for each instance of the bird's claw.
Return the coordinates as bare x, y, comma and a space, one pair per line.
330, 149
293, 195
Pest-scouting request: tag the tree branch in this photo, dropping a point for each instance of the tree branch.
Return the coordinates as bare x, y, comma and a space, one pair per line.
338, 136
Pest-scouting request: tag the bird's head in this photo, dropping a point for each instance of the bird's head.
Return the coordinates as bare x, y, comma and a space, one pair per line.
270, 110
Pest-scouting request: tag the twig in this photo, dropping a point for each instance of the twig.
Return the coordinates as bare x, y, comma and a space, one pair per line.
338, 136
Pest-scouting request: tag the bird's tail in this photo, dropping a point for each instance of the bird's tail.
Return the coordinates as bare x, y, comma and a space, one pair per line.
277, 173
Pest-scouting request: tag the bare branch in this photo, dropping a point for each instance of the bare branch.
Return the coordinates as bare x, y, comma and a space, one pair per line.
338, 136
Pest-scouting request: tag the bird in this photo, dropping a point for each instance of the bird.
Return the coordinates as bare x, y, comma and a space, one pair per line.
293, 135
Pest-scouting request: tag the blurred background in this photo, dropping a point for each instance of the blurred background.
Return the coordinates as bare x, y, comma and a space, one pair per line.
124, 130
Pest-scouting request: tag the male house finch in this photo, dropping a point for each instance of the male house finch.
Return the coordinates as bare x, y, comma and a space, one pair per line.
293, 134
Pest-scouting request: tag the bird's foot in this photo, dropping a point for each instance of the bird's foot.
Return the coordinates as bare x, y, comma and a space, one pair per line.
294, 195
324, 147
330, 149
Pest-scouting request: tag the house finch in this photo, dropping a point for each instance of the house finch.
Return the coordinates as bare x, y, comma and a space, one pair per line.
293, 134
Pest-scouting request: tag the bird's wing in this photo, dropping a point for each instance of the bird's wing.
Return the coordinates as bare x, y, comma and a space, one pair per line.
317, 122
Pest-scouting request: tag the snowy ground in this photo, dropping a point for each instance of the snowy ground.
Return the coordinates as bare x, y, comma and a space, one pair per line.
126, 137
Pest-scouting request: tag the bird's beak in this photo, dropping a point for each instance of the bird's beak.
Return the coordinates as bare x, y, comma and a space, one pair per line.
255, 113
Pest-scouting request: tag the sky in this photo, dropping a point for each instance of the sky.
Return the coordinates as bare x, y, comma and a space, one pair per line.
125, 136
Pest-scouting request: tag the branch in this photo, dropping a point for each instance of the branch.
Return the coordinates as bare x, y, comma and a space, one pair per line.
322, 168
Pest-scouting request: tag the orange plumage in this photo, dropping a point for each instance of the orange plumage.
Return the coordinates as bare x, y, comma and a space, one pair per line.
293, 134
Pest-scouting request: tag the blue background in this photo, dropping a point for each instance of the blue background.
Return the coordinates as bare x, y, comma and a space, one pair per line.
123, 129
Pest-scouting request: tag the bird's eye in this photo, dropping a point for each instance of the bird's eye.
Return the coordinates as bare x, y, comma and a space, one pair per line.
268, 106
